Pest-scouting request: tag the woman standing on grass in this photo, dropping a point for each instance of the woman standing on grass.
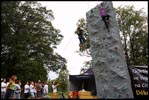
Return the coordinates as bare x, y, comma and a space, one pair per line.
11, 88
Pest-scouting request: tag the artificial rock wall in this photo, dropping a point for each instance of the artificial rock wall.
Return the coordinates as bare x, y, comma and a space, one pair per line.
109, 64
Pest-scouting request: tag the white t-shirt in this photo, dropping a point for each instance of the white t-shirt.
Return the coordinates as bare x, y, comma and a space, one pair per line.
54, 88
32, 88
35, 91
26, 88
3, 85
45, 88
7, 83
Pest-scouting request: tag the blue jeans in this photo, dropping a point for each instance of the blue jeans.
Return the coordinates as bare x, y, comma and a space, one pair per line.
39, 94
17, 95
3, 95
81, 39
9, 94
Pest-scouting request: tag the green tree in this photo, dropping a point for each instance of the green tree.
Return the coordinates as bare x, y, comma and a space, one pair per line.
63, 79
28, 41
134, 35
87, 65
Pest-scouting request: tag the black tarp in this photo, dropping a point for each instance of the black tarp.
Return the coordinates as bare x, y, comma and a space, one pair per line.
80, 77
86, 75
87, 79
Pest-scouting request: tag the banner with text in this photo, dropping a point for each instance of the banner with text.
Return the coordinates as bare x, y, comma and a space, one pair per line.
139, 80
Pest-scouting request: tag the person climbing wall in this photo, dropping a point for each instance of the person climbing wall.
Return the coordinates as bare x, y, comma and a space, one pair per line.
105, 16
79, 32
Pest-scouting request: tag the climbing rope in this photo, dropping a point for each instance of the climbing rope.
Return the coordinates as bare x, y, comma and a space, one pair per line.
68, 43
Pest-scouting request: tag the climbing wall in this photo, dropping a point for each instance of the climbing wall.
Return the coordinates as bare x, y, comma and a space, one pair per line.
109, 64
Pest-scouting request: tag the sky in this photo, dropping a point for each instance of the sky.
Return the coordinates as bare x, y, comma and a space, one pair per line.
67, 14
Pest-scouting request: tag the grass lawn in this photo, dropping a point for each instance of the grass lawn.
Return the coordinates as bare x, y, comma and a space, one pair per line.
59, 95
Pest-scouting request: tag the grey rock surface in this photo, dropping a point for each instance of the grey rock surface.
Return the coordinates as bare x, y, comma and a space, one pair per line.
109, 64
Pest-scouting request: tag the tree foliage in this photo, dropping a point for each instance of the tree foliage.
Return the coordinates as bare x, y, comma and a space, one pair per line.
28, 40
87, 65
134, 34
63, 79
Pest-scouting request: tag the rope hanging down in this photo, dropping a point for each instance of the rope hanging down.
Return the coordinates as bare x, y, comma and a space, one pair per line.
68, 43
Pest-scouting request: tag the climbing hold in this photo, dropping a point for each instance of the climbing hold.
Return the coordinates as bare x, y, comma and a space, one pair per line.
116, 48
